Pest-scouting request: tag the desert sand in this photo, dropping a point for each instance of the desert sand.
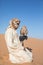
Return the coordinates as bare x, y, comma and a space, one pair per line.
35, 44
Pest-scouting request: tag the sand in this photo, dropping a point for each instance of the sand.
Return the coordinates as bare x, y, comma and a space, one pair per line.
35, 44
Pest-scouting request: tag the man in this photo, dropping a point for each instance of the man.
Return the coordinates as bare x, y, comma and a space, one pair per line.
15, 48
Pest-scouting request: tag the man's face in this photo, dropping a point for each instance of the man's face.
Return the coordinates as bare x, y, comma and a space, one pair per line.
16, 24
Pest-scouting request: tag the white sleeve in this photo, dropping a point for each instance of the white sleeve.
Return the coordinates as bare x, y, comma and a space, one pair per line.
9, 39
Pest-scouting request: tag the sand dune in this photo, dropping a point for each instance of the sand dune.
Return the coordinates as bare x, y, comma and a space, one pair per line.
35, 44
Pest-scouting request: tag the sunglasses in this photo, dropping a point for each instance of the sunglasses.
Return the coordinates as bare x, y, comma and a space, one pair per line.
16, 23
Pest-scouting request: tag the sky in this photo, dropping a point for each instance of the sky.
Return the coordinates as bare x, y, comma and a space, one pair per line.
29, 12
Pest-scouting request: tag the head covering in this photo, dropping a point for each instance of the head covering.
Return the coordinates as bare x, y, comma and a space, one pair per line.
14, 22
